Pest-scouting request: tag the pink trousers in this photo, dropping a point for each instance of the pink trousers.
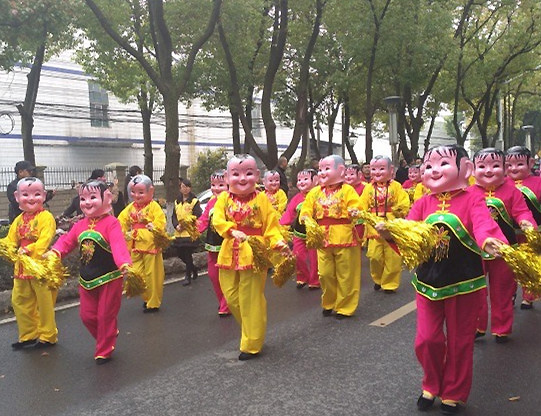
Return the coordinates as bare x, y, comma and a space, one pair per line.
99, 311
306, 263
214, 276
501, 288
447, 356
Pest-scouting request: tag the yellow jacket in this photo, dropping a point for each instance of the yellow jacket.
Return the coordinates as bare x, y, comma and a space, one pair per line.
255, 216
34, 233
420, 191
332, 211
278, 200
395, 203
133, 221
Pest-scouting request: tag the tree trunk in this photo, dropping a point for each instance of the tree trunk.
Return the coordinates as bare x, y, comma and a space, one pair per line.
145, 107
235, 130
26, 110
346, 124
172, 148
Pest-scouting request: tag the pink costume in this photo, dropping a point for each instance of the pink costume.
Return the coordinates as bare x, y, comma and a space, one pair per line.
408, 183
306, 258
213, 242
449, 291
103, 253
507, 206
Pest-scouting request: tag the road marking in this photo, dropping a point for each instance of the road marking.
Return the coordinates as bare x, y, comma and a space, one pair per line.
75, 304
394, 315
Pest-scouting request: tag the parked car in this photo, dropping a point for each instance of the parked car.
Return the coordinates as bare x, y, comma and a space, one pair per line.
204, 198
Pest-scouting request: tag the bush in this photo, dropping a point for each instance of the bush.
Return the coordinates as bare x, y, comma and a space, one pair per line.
6, 268
207, 162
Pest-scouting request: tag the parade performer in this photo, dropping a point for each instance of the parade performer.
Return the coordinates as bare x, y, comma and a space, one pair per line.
213, 240
332, 204
519, 163
240, 213
354, 176
306, 259
104, 261
414, 179
449, 285
507, 207
385, 198
276, 195
141, 220
31, 232
187, 207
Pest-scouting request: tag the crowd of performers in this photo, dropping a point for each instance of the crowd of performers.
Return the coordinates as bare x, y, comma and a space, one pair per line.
474, 211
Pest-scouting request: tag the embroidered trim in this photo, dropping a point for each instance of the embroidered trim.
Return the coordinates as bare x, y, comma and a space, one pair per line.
527, 192
101, 280
499, 206
461, 288
96, 237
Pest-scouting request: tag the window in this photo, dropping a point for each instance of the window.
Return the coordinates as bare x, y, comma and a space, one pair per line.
99, 105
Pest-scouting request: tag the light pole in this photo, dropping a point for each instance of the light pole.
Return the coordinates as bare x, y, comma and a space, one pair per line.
528, 132
392, 103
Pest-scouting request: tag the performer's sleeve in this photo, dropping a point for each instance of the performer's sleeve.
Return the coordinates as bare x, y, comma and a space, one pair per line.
364, 199
203, 220
47, 229
403, 201
67, 242
353, 200
416, 212
484, 225
307, 209
219, 220
197, 211
123, 218
282, 201
157, 216
13, 235
519, 209
119, 248
271, 228
290, 213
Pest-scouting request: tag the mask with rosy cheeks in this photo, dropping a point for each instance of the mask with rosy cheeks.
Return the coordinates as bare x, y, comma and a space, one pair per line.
489, 171
441, 173
271, 182
331, 172
91, 202
242, 176
518, 167
30, 196
305, 182
218, 185
141, 193
381, 170
352, 177
414, 175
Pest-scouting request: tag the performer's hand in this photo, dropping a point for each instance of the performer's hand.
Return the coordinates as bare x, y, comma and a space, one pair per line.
353, 212
492, 246
283, 247
150, 226
524, 225
382, 230
238, 235
178, 228
124, 271
23, 250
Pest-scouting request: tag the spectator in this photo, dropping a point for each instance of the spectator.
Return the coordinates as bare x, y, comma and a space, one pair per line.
132, 171
23, 169
74, 207
281, 169
97, 174
365, 169
402, 172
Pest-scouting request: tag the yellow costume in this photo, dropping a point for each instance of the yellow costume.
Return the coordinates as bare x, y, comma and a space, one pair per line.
388, 201
278, 200
242, 286
33, 302
420, 191
339, 261
147, 258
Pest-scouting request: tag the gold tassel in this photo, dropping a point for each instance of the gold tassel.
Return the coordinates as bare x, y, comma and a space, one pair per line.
189, 224
286, 233
534, 239
526, 266
134, 284
261, 254
8, 250
162, 240
57, 272
315, 236
284, 270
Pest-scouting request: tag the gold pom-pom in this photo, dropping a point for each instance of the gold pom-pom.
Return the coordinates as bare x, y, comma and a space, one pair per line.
261, 254
315, 235
286, 233
284, 270
189, 224
534, 239
57, 272
134, 283
526, 266
8, 250
162, 240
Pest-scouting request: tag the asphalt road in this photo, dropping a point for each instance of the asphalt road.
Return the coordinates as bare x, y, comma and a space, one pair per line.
183, 361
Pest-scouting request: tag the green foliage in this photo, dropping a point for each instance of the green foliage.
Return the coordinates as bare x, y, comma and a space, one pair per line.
207, 163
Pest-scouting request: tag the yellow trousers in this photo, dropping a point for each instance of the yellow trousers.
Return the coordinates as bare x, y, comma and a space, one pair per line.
33, 304
244, 291
385, 264
151, 267
340, 278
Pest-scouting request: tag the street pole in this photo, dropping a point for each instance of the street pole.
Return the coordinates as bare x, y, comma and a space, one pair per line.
528, 142
392, 103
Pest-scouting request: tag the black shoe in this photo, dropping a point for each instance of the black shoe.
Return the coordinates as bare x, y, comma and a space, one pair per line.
187, 280
341, 316
194, 274
423, 404
377, 287
245, 356
102, 360
24, 344
314, 287
389, 291
526, 305
151, 310
300, 285
501, 339
43, 344
479, 334
449, 409
326, 312
144, 305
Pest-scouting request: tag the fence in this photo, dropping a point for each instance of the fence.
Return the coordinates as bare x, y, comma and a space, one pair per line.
65, 177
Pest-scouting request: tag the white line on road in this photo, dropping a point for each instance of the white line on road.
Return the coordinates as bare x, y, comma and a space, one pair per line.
394, 315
